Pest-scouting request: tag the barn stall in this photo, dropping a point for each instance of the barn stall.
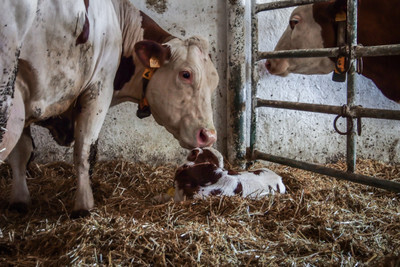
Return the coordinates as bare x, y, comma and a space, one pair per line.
319, 220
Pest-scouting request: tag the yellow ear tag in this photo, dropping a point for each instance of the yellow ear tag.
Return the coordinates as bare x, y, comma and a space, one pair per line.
171, 192
154, 63
341, 16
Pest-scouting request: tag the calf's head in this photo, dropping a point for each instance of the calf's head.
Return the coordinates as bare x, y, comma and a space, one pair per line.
180, 91
310, 26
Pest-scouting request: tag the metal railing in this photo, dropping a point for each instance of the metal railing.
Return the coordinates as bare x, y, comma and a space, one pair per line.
353, 51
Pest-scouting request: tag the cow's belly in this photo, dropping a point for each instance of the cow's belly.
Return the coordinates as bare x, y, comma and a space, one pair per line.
56, 69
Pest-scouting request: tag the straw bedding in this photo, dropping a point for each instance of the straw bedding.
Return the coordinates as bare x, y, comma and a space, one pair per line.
320, 221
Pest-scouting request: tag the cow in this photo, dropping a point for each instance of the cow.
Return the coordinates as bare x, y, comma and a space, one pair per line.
81, 57
204, 175
13, 28
313, 26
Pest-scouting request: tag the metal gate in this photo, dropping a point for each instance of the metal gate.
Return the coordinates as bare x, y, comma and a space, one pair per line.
353, 51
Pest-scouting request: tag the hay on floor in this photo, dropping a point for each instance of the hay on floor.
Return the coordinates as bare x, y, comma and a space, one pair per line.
320, 221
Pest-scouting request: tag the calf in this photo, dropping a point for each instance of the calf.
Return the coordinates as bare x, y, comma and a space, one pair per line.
204, 175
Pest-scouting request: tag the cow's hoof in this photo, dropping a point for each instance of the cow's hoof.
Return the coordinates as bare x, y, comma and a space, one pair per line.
76, 214
19, 207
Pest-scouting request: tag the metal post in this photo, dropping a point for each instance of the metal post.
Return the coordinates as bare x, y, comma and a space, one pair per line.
236, 94
254, 76
351, 81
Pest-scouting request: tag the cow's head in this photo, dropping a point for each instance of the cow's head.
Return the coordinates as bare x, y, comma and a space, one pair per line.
309, 26
180, 91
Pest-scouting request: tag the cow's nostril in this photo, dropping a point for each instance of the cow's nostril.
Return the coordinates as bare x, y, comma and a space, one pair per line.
268, 65
206, 137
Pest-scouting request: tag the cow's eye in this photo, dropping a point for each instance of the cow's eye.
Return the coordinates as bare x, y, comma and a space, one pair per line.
293, 22
186, 76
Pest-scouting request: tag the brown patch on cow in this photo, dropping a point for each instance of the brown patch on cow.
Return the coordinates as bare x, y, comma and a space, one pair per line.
190, 178
160, 6
124, 73
152, 31
92, 157
324, 14
239, 189
84, 36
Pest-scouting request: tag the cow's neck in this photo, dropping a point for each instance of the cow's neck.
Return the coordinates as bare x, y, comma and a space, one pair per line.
128, 82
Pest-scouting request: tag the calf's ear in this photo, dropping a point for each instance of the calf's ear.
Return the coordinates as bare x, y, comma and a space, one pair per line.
193, 154
152, 54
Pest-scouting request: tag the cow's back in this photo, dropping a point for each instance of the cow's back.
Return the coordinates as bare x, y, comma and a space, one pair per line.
70, 46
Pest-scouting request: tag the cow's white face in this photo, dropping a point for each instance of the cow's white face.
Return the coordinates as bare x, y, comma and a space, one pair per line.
180, 93
303, 32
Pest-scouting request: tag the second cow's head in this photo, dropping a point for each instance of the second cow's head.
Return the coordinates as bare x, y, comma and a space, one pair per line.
180, 91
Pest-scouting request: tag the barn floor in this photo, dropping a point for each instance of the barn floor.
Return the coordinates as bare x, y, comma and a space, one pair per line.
320, 221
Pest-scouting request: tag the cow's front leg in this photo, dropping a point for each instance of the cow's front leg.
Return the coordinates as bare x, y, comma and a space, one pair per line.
19, 159
94, 105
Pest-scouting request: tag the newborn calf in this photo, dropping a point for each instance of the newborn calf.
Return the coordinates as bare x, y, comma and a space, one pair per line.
204, 175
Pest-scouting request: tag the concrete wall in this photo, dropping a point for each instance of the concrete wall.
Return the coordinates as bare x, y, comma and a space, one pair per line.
294, 134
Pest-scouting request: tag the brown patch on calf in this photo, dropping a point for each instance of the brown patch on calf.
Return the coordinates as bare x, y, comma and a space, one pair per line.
257, 172
124, 73
216, 192
203, 157
84, 36
239, 189
191, 178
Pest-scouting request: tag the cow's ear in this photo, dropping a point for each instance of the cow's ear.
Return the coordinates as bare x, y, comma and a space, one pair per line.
151, 54
193, 154
340, 5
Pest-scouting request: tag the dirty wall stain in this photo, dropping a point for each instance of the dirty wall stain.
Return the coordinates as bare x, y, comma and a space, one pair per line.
158, 6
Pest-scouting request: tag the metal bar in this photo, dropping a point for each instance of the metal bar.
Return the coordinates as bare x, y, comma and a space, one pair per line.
359, 51
351, 83
236, 93
254, 76
284, 4
355, 111
357, 178
319, 52
377, 50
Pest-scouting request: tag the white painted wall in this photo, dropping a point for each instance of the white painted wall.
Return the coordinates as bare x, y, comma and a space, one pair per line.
299, 135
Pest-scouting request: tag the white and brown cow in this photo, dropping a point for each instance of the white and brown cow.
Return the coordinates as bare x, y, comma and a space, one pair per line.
313, 26
204, 175
13, 28
79, 58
